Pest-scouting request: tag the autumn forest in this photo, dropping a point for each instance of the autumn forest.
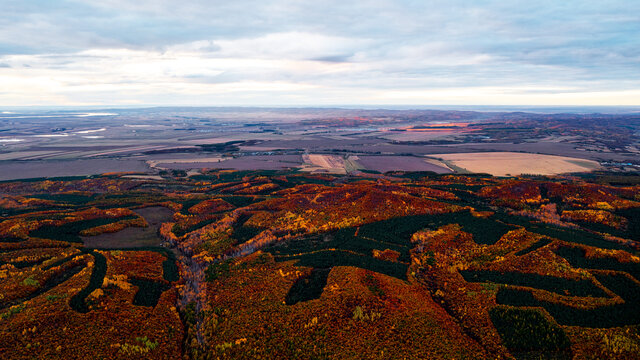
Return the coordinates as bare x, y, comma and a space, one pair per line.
283, 264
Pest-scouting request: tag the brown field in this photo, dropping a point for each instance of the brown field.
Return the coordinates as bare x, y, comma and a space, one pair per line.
156, 163
510, 163
403, 163
133, 237
11, 170
259, 162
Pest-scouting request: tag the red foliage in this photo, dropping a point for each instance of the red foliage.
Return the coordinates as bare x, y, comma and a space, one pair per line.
210, 206
516, 194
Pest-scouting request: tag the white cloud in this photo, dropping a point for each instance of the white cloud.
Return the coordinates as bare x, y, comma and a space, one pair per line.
331, 52
291, 45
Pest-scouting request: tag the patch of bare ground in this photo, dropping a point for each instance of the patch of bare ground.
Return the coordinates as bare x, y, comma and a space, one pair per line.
132, 237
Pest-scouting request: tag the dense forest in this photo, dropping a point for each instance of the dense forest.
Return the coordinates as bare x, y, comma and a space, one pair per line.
283, 264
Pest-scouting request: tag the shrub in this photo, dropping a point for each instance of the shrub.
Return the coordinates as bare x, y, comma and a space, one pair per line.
217, 271
30, 282
145, 346
360, 314
12, 311
621, 344
217, 242
55, 297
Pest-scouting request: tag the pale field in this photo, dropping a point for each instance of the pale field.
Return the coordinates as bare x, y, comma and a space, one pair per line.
127, 150
333, 164
19, 155
510, 163
437, 162
558, 139
143, 177
44, 154
56, 155
327, 161
339, 137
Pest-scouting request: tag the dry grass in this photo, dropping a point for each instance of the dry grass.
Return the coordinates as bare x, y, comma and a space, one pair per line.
509, 163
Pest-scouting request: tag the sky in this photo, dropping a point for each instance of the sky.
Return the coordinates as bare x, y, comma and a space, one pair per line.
319, 53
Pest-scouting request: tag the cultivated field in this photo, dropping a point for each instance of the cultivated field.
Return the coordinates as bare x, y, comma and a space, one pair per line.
157, 163
333, 164
10, 170
201, 138
510, 163
327, 161
259, 162
402, 163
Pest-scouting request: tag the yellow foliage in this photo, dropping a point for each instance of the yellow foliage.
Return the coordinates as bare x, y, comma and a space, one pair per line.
116, 280
96, 294
604, 205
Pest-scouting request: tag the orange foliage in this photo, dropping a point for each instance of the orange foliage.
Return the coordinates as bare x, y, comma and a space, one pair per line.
595, 216
386, 254
114, 227
590, 196
513, 193
210, 206
134, 264
319, 209
19, 202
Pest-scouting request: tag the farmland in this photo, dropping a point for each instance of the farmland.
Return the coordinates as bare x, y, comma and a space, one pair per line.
509, 163
324, 163
385, 163
150, 141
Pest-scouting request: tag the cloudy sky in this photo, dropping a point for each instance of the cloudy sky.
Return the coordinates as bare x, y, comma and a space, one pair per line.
245, 52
